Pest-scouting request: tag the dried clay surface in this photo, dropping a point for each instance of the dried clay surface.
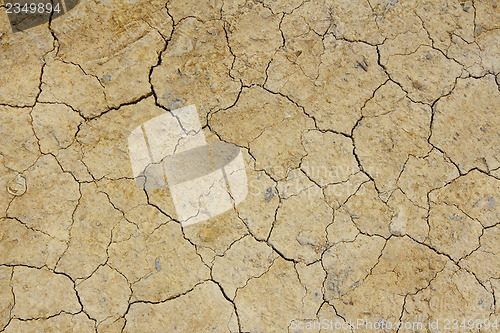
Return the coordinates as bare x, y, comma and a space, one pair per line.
368, 133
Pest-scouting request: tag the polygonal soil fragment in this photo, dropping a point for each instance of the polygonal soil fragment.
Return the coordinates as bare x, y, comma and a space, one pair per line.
246, 259
253, 47
425, 74
452, 232
474, 142
404, 267
271, 300
329, 158
259, 207
202, 309
195, 69
347, 76
484, 261
393, 128
68, 84
347, 264
19, 242
475, 194
159, 266
269, 124
452, 293
41, 293
50, 199
407, 218
55, 126
300, 228
368, 212
424, 174
105, 294
20, 151
90, 234
21, 65
115, 43
104, 140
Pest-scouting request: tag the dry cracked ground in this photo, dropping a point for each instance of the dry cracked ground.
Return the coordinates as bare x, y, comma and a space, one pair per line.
370, 133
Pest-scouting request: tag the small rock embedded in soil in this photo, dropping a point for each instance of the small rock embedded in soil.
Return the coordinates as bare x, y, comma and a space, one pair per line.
269, 194
157, 265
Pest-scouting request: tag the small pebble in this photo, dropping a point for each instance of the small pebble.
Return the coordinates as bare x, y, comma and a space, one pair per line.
157, 265
106, 78
269, 194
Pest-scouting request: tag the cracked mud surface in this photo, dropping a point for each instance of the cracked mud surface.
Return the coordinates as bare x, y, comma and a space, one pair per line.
370, 133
